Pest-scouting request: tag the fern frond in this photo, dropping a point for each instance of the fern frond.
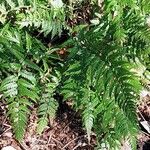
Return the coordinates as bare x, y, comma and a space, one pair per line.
88, 113
18, 113
37, 15
98, 75
101, 77
18, 89
45, 19
48, 105
46, 111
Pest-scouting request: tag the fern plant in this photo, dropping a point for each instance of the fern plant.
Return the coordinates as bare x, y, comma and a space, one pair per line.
47, 17
26, 81
98, 73
105, 94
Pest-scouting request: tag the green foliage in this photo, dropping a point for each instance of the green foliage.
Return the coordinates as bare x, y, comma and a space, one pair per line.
105, 90
48, 105
25, 67
18, 89
47, 17
100, 77
105, 65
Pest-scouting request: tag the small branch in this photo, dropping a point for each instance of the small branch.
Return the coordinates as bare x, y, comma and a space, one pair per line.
147, 134
141, 115
77, 146
23, 146
56, 141
73, 141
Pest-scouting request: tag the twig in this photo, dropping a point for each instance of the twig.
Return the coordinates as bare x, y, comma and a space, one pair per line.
23, 146
56, 141
141, 115
9, 128
76, 146
146, 133
72, 141
6, 131
49, 139
51, 144
7, 125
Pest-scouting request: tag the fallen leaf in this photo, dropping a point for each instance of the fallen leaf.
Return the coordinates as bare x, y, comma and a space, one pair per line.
8, 148
146, 126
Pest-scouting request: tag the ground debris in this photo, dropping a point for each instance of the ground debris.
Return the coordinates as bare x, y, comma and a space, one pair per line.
144, 122
67, 133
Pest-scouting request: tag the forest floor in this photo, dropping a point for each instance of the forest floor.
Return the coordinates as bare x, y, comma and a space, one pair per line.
66, 133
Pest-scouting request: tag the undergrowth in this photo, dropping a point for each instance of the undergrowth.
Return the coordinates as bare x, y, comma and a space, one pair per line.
97, 67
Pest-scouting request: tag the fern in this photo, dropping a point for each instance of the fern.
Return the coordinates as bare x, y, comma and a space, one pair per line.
100, 77
36, 14
99, 85
99, 74
48, 106
22, 78
17, 91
